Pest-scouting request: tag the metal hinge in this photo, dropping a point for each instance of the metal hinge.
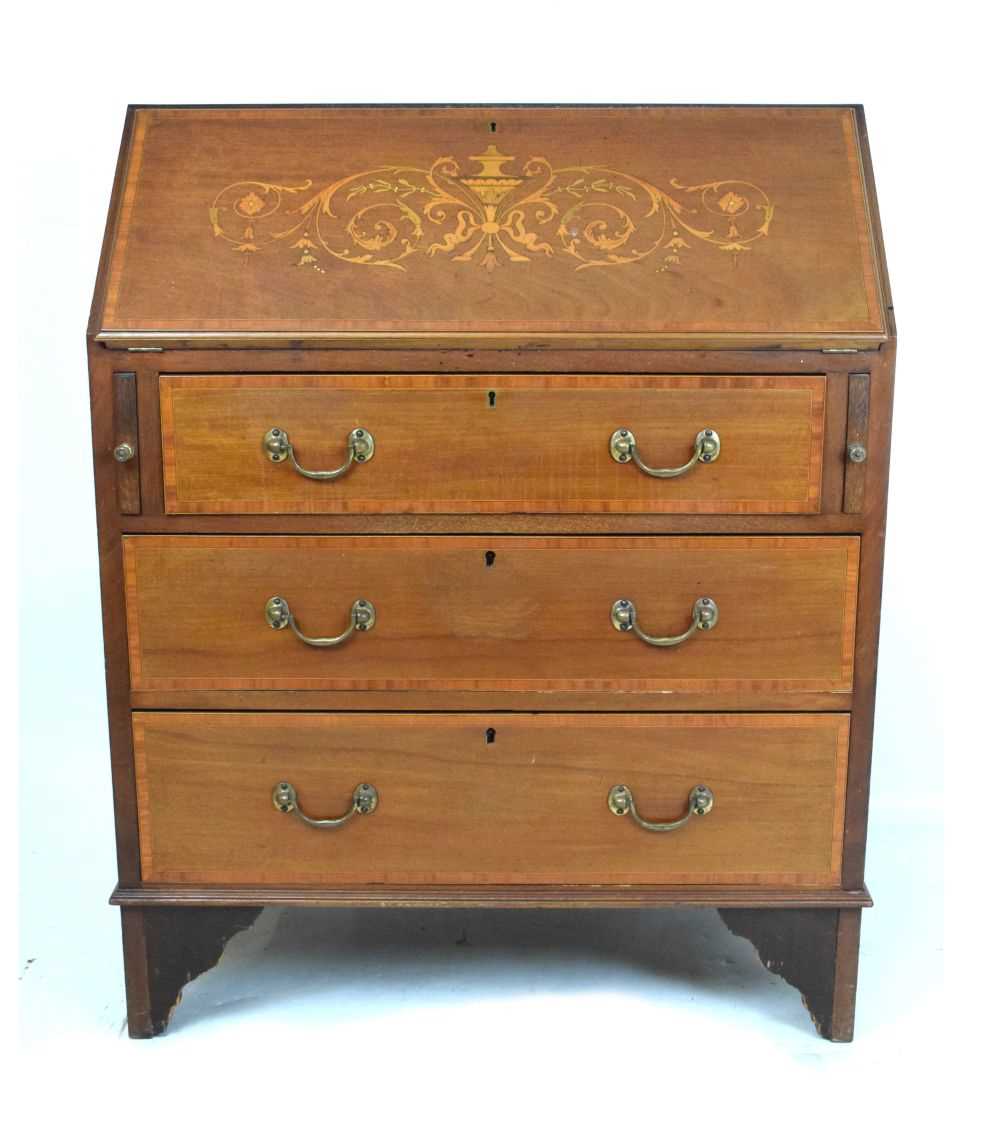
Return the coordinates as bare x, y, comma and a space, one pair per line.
144, 349
839, 350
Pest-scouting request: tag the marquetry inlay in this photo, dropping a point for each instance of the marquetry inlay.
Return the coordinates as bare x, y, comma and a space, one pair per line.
591, 216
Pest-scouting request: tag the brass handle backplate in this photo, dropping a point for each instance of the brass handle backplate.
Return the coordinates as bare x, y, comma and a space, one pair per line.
279, 615
624, 449
363, 801
360, 449
621, 802
625, 617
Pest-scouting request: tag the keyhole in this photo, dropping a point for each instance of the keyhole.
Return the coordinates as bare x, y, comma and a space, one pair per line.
490, 557
491, 735
491, 398
493, 126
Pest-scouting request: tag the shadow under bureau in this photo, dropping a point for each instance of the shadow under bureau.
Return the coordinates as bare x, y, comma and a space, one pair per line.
491, 508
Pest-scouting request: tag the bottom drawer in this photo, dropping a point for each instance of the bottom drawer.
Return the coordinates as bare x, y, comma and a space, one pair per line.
490, 799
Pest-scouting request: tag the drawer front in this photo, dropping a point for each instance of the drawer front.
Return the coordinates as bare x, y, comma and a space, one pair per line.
525, 805
468, 444
507, 613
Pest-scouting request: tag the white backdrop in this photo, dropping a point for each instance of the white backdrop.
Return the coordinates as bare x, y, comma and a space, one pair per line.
540, 1014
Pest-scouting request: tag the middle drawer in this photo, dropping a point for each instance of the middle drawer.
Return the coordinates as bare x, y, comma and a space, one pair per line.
753, 614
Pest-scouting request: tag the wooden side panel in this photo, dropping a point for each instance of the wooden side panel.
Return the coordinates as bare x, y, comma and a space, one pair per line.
492, 612
492, 443
525, 805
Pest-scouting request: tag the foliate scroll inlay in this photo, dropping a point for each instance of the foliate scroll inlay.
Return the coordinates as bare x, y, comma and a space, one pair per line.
590, 216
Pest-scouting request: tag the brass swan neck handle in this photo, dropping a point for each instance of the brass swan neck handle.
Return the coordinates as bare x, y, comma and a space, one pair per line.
360, 449
624, 449
363, 801
621, 802
279, 615
625, 617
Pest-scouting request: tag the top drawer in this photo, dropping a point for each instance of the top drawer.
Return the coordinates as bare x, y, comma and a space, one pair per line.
479, 444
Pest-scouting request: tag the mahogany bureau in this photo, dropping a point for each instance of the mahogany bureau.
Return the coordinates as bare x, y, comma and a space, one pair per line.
491, 508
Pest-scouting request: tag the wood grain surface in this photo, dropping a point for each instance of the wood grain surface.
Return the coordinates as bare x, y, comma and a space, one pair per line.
492, 443
646, 224
527, 805
492, 612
